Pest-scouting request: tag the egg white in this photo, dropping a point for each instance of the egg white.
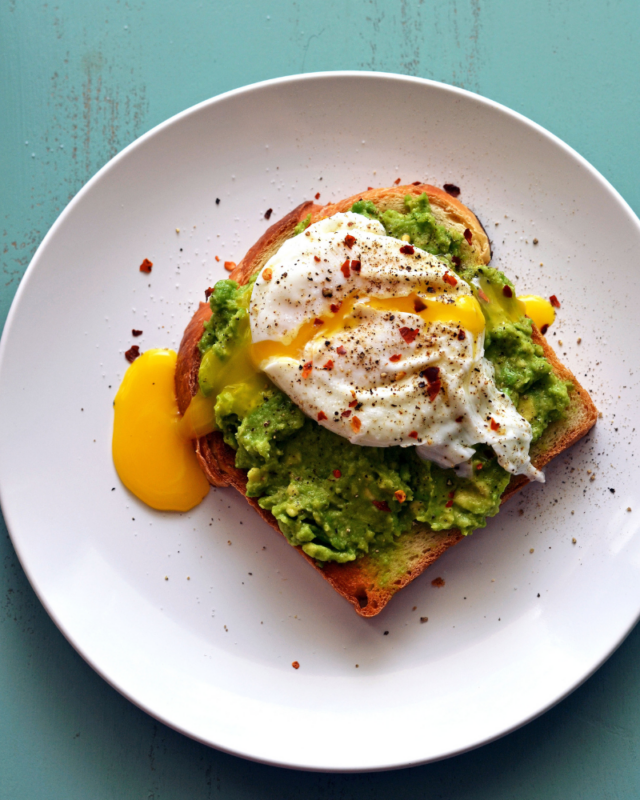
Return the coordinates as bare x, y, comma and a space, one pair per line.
390, 399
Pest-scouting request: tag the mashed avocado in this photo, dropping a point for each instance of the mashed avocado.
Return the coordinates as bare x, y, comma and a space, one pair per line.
337, 500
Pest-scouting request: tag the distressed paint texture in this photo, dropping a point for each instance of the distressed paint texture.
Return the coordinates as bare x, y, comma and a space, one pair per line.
78, 82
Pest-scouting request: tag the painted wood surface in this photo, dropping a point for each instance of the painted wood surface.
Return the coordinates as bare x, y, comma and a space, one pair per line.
78, 82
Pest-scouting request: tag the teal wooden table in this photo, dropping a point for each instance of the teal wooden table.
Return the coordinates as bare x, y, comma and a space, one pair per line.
78, 82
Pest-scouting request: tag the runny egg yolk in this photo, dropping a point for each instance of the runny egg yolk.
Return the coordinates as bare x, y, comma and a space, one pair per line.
151, 446
539, 310
465, 311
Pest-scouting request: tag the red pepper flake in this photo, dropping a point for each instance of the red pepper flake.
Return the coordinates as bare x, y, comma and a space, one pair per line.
268, 213
356, 266
381, 505
395, 358
494, 425
419, 305
400, 496
478, 466
450, 279
306, 369
467, 235
544, 329
208, 292
132, 353
507, 291
483, 296
337, 473
461, 335
432, 374
317, 195
448, 504
408, 249
231, 265
349, 240
267, 274
335, 307
459, 419
328, 365
346, 414
353, 403
369, 188
413, 435
554, 301
452, 189
456, 261
344, 269
135, 332
146, 265
316, 259
317, 321
295, 665
408, 334
341, 350
433, 390
438, 583
356, 424
417, 183
397, 181
321, 416
217, 258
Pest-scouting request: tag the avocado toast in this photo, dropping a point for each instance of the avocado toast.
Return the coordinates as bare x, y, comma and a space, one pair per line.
387, 557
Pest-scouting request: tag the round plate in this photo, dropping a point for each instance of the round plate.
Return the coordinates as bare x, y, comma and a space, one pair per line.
198, 617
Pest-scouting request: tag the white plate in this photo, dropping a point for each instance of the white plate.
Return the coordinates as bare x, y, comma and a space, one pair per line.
525, 615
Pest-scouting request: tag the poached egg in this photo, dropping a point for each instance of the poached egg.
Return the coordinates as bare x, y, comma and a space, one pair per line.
381, 343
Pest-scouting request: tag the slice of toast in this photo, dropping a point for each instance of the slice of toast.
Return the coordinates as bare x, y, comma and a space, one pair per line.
370, 582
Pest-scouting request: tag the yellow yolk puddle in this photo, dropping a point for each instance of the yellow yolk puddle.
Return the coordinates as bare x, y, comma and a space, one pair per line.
151, 448
465, 311
539, 310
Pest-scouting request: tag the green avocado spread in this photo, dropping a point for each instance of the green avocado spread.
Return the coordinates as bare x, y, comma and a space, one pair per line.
338, 500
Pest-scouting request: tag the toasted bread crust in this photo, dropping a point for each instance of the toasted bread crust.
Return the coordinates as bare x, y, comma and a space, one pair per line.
369, 583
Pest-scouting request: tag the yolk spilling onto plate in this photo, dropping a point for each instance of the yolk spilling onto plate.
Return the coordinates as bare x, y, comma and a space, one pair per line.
152, 451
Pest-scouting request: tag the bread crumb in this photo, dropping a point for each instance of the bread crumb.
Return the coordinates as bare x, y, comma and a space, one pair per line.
629, 508
415, 607
579, 339
438, 583
535, 241
574, 540
295, 665
531, 550
166, 578
424, 619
